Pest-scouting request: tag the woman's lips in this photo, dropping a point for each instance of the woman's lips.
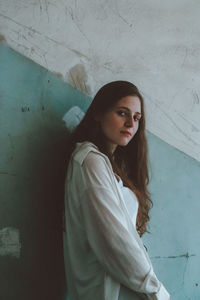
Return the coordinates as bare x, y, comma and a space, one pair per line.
127, 133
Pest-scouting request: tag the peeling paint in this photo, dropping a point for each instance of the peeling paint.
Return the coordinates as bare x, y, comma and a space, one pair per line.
9, 242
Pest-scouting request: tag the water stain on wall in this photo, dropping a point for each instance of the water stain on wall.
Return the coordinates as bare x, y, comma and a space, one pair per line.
78, 78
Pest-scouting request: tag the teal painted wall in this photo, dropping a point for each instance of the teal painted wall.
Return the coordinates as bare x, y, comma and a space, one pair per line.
174, 242
32, 104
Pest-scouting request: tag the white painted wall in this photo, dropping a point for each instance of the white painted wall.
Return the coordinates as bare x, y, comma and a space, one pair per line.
155, 44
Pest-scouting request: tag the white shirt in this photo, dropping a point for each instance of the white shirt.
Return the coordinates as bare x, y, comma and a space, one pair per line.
130, 200
102, 248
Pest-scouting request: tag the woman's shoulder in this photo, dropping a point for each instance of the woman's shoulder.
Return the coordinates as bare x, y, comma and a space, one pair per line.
87, 151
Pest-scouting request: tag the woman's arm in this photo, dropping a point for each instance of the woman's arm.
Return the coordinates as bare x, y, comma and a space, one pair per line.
105, 223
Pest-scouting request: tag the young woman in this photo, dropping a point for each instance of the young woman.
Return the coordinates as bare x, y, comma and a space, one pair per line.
107, 201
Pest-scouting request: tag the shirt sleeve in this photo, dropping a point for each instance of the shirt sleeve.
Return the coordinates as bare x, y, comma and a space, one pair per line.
105, 223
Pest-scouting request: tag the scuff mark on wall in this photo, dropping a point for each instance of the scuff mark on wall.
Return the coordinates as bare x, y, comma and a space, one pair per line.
76, 22
9, 242
25, 109
121, 17
186, 255
184, 272
196, 98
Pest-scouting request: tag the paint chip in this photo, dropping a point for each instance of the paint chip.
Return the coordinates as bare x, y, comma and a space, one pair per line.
9, 242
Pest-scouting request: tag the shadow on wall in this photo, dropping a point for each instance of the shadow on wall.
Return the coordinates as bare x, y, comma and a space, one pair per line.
41, 232
37, 193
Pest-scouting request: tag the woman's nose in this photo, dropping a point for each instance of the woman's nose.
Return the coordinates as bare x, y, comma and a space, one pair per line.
129, 122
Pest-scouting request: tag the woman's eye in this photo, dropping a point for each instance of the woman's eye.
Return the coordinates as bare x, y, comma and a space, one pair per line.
136, 118
121, 113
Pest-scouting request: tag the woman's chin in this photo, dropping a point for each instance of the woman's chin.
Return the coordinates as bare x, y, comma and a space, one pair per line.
124, 143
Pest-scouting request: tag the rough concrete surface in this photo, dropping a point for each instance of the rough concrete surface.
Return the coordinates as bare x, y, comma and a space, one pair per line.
154, 44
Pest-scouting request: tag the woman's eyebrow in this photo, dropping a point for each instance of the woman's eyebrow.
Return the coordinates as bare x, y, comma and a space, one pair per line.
126, 108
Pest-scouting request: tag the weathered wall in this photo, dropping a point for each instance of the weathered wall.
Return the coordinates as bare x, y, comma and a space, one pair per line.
154, 44
33, 103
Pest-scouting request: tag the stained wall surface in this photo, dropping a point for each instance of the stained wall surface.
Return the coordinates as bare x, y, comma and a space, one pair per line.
154, 44
33, 103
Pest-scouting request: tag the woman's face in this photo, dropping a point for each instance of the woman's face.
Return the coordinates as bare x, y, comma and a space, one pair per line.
120, 123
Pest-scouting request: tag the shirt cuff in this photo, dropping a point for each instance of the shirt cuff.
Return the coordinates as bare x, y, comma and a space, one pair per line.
162, 294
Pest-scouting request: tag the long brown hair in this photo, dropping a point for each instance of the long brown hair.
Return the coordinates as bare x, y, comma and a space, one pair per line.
130, 162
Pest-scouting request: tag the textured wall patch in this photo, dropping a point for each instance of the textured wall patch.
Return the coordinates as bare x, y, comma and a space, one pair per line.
9, 242
73, 117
